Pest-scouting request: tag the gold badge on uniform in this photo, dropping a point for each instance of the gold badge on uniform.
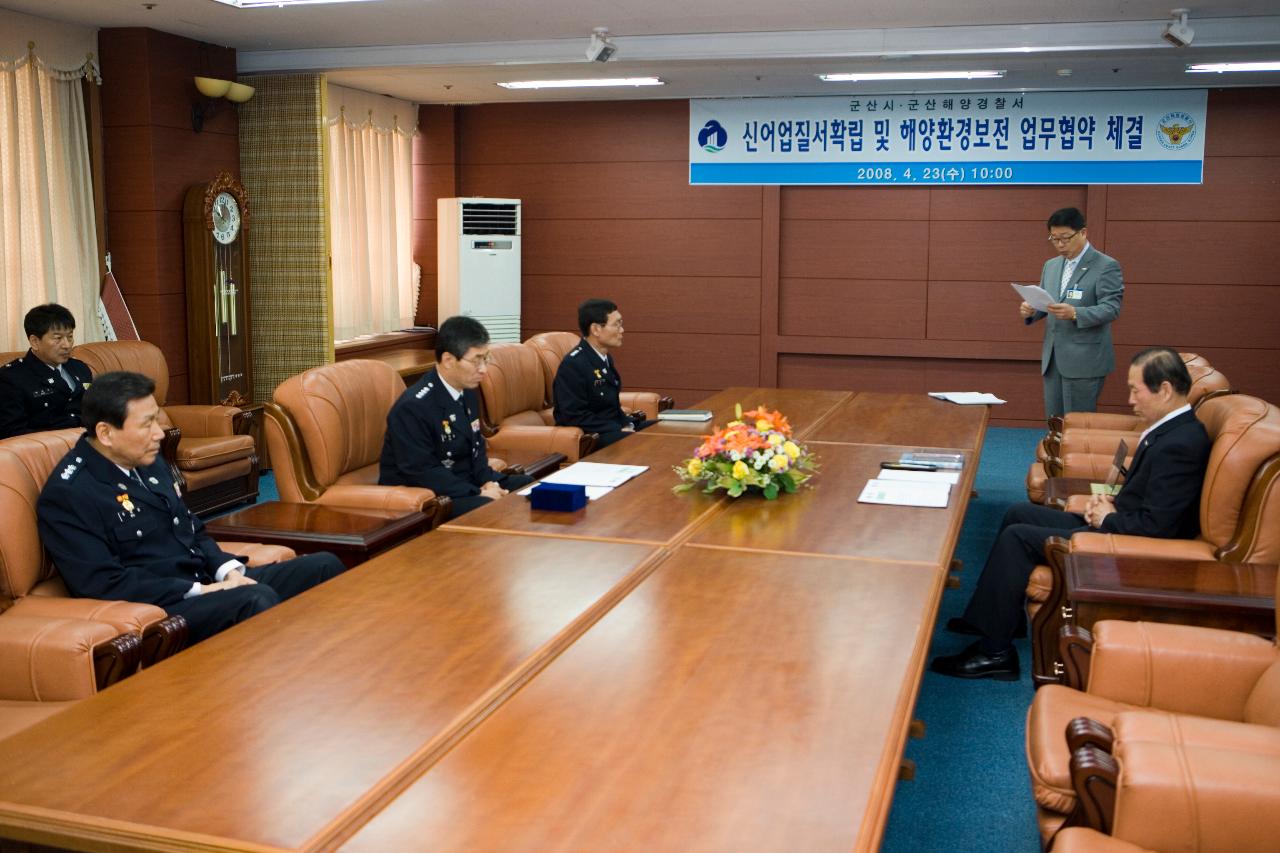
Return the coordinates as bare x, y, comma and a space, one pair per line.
447, 429
125, 502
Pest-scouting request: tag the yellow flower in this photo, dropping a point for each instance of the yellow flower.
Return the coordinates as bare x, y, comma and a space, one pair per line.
763, 424
739, 470
775, 438
780, 463
694, 467
792, 449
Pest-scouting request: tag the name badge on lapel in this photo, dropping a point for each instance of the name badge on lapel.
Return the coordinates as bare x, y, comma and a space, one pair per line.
1075, 293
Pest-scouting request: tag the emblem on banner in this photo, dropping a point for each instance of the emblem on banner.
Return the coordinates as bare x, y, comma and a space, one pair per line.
713, 137
1176, 130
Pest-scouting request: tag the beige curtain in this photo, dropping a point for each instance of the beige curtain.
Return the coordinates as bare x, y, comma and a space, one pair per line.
48, 242
370, 212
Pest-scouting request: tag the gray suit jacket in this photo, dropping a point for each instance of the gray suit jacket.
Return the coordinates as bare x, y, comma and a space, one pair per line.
1082, 348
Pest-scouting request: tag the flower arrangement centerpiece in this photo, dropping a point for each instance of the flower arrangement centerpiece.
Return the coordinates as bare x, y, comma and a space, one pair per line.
755, 452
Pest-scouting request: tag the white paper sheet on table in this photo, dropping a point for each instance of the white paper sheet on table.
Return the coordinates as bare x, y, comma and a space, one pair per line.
967, 398
948, 477
595, 474
1034, 295
905, 493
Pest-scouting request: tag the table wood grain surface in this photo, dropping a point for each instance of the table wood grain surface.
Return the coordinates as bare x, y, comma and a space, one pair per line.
804, 409
872, 417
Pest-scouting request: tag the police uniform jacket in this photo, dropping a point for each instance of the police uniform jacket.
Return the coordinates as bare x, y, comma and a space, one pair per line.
113, 537
586, 391
434, 442
34, 397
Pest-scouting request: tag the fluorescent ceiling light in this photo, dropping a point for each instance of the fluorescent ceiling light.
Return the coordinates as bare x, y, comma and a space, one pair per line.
259, 4
910, 75
573, 84
1219, 67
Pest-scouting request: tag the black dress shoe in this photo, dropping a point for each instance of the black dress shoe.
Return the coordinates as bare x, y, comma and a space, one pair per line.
975, 663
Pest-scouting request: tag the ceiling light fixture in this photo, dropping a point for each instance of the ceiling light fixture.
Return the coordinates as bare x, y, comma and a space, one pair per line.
1219, 67
259, 4
859, 77
573, 84
1177, 32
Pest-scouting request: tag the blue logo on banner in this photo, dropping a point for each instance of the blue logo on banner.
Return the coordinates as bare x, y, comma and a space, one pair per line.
1176, 130
712, 137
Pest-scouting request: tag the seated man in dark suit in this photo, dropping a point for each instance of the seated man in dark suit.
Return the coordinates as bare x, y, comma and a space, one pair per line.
587, 385
433, 437
112, 519
1160, 497
43, 389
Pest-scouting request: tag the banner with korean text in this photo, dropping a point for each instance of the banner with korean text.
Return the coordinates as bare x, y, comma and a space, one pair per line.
1135, 137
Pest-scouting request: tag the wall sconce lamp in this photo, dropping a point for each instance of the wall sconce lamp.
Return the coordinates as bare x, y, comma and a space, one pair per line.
213, 89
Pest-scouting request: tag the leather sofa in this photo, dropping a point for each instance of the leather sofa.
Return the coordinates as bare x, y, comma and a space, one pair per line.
55, 649
324, 431
1170, 685
513, 417
208, 448
552, 347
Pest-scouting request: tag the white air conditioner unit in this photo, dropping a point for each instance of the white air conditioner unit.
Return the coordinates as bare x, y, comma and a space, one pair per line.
478, 246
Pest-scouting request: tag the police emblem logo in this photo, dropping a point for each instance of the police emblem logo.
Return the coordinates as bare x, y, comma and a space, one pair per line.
1175, 130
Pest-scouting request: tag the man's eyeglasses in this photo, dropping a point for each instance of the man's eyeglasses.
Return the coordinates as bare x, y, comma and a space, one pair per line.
479, 360
1062, 240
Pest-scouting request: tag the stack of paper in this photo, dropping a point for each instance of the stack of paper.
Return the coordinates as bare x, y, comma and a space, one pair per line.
685, 415
948, 477
967, 398
906, 493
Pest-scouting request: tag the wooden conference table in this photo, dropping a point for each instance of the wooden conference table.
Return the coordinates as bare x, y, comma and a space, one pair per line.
654, 672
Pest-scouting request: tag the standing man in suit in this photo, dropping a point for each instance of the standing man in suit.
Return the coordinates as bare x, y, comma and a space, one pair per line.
111, 517
433, 437
44, 388
1077, 353
587, 387
1160, 497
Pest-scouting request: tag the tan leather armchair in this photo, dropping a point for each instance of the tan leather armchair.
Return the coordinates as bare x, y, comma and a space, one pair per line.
1239, 515
511, 392
209, 448
1164, 684
552, 347
324, 430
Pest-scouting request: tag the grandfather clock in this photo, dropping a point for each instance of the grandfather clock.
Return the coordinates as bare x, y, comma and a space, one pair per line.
214, 218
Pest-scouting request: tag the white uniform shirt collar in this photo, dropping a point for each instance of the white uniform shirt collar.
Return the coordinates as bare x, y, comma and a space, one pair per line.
1184, 408
453, 392
603, 356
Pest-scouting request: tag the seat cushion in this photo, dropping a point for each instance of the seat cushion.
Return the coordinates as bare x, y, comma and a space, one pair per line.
1040, 584
198, 453
1052, 709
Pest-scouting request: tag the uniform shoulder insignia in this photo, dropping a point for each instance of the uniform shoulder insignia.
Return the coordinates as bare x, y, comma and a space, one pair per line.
575, 351
422, 393
69, 471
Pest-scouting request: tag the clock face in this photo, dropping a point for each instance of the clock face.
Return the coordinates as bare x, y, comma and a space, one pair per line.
226, 218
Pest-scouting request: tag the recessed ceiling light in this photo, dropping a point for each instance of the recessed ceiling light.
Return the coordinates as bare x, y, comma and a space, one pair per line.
259, 4
910, 75
1219, 67
573, 84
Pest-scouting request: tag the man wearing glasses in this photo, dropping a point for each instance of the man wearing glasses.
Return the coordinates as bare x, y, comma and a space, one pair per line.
587, 385
433, 435
1077, 353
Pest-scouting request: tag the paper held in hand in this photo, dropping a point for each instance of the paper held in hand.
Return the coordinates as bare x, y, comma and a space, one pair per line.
1034, 295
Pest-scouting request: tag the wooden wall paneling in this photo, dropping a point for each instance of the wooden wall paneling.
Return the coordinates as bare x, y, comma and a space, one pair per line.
1234, 189
129, 175
435, 176
1242, 122
151, 311
126, 98
972, 250
1095, 211
1002, 204
979, 311
855, 373
910, 348
1018, 382
694, 247
680, 304
611, 190
1251, 371
1196, 252
143, 246
1222, 315
770, 284
812, 248
709, 360
847, 307
576, 131
431, 182
858, 203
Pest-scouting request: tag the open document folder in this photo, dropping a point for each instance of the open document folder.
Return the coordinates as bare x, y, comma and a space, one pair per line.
599, 478
906, 493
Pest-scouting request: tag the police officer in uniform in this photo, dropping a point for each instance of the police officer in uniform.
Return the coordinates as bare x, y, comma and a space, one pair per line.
112, 519
43, 389
433, 437
587, 384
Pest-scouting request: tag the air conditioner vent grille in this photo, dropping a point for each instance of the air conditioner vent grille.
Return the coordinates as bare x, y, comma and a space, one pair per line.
482, 218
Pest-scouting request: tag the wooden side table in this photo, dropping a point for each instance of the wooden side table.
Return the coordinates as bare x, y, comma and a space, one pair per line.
1208, 593
352, 533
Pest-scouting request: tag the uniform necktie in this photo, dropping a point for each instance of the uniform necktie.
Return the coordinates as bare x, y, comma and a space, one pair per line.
66, 377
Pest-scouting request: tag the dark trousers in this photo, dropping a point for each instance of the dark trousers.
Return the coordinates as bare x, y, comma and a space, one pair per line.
997, 606
212, 612
511, 482
609, 437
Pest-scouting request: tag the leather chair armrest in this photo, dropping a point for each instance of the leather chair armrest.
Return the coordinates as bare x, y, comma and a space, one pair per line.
1101, 420
1180, 668
405, 498
1141, 546
204, 420
55, 660
648, 402
123, 616
1093, 466
1097, 442
1078, 839
258, 554
524, 440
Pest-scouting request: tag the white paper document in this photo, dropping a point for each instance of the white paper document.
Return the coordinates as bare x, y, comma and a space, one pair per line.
948, 477
595, 474
1034, 295
967, 398
905, 493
